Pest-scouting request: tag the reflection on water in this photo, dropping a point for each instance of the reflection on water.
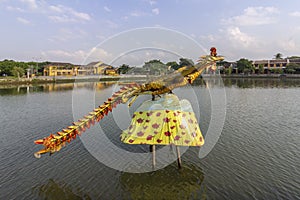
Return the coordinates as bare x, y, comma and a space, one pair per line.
249, 82
169, 183
53, 190
256, 157
26, 89
227, 82
261, 83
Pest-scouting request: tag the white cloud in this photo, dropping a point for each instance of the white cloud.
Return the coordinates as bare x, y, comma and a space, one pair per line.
23, 21
291, 42
80, 15
239, 38
98, 54
253, 16
78, 56
61, 19
289, 45
100, 37
55, 13
155, 11
57, 9
61, 55
65, 34
137, 14
107, 9
30, 3
10, 8
295, 14
138, 58
111, 24
209, 38
151, 2
193, 35
67, 14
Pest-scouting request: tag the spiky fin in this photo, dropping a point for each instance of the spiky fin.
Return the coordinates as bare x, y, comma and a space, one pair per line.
54, 142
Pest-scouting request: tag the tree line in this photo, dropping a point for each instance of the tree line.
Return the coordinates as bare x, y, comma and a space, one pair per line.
19, 69
155, 67
152, 67
245, 66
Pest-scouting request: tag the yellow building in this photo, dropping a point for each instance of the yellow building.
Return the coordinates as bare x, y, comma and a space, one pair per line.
67, 69
60, 69
100, 68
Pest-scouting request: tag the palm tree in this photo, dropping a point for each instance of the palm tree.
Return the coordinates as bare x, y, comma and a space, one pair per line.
278, 56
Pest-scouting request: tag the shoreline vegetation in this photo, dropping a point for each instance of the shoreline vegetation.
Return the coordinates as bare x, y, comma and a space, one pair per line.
128, 78
44, 79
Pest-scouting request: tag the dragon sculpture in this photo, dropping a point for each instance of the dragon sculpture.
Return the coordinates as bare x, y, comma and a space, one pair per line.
161, 85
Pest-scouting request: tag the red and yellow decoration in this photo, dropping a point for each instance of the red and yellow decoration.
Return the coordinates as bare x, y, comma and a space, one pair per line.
153, 125
54, 142
165, 121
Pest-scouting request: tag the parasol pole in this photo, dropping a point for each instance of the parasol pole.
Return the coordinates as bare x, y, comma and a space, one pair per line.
152, 149
178, 157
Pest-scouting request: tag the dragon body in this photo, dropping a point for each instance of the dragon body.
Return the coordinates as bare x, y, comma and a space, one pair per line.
158, 86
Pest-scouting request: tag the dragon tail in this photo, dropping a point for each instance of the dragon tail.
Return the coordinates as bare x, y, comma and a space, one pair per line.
54, 142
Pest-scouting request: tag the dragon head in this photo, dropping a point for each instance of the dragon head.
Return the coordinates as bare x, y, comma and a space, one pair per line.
211, 59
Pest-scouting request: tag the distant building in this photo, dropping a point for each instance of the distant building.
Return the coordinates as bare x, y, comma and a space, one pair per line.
100, 68
67, 69
270, 64
227, 64
60, 69
275, 64
109, 70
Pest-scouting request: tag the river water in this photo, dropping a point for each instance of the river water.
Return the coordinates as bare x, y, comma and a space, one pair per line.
257, 155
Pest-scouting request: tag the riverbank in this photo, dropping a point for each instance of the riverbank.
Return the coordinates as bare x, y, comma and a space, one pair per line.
47, 79
292, 76
125, 78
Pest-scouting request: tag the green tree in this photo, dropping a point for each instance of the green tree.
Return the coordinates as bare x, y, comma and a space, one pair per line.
278, 56
6, 67
293, 57
18, 72
261, 69
293, 68
155, 67
223, 63
174, 65
244, 65
123, 69
228, 70
277, 71
185, 62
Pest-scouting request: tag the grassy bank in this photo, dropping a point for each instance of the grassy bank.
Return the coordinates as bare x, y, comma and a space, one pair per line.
24, 81
42, 80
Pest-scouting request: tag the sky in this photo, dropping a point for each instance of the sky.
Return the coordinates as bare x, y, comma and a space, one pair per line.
135, 31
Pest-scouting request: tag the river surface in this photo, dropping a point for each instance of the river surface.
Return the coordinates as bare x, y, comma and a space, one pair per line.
256, 156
